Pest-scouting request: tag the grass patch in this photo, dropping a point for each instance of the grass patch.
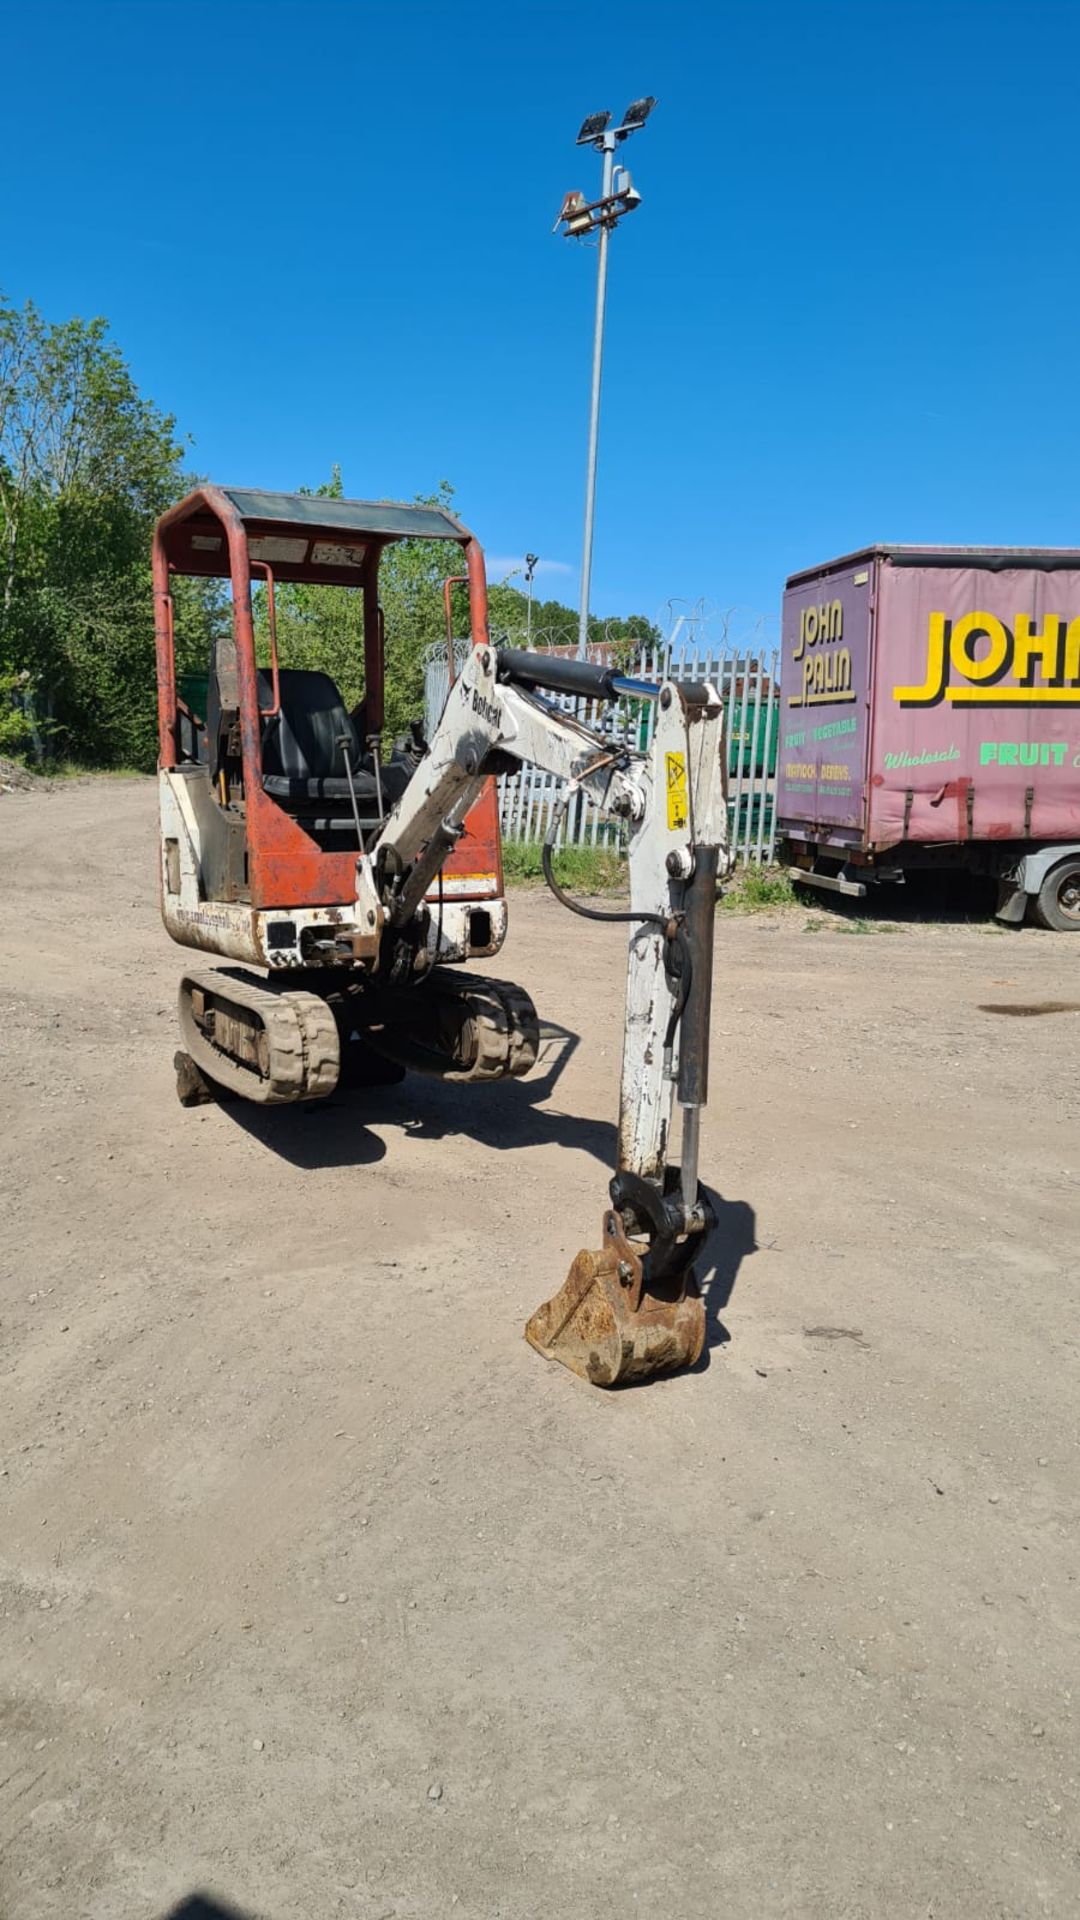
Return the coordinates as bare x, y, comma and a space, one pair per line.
837, 921
578, 869
860, 925
78, 770
62, 768
590, 870
758, 890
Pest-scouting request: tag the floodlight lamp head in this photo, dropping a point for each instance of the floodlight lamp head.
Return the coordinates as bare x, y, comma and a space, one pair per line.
635, 116
593, 129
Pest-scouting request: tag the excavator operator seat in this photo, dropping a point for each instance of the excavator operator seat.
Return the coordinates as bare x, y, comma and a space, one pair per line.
302, 752
304, 744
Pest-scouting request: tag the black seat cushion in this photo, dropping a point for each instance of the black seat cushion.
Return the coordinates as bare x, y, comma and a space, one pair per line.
296, 792
303, 742
303, 760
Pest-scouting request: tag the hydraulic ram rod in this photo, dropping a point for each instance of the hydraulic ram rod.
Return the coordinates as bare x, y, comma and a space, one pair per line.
699, 907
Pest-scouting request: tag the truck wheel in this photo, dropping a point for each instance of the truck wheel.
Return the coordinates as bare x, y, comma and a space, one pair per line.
1057, 904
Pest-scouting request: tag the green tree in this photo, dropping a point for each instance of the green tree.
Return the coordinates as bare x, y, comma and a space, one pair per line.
411, 595
323, 626
317, 626
554, 625
86, 465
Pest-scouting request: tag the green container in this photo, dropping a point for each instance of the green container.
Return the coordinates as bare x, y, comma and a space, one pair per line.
741, 739
192, 689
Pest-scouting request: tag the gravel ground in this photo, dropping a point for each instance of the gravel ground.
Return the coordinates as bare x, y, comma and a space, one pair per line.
321, 1592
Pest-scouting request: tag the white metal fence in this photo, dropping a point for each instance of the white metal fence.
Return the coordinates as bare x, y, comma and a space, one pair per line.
748, 684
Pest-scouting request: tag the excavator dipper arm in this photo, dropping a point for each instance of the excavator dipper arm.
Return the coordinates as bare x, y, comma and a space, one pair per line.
632, 1308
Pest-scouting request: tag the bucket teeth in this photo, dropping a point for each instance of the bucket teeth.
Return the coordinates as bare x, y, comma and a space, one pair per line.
605, 1326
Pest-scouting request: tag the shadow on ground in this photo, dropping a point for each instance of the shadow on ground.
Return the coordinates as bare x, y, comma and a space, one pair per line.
731, 1240
947, 899
1026, 1010
504, 1117
201, 1906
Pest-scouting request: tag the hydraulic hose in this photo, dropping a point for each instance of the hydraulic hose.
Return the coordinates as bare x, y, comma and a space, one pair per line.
678, 963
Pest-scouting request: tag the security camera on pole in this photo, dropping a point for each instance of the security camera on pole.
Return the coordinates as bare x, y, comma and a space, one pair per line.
578, 219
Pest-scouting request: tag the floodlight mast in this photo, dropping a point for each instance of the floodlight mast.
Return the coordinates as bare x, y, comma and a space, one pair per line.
578, 219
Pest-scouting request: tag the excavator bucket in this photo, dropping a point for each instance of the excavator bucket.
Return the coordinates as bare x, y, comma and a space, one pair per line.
605, 1325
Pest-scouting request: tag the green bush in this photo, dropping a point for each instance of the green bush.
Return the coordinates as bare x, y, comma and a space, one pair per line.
587, 870
16, 734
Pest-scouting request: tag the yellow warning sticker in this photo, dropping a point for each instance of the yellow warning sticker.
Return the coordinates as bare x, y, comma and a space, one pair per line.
678, 811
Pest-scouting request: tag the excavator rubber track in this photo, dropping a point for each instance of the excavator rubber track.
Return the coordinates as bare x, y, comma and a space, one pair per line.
266, 1045
469, 1029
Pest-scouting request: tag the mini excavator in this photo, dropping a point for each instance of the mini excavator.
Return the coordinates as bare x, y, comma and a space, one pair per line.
346, 884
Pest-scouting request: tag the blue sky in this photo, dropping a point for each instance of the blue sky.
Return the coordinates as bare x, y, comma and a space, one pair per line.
846, 309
